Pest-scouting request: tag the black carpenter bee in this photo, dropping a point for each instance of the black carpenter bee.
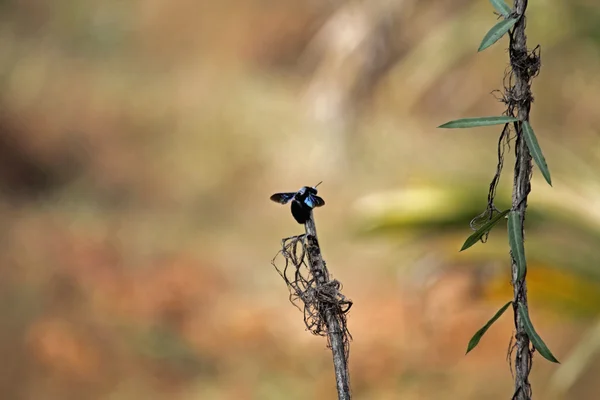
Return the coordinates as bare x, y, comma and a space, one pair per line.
303, 201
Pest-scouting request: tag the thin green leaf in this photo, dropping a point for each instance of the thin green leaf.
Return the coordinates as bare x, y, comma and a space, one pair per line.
515, 240
536, 340
478, 234
479, 334
536, 151
501, 7
478, 121
497, 32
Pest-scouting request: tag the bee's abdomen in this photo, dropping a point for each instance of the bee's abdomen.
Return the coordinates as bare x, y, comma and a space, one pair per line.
300, 211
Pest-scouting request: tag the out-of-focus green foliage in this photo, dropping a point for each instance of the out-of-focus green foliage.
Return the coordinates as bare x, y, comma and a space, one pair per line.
557, 237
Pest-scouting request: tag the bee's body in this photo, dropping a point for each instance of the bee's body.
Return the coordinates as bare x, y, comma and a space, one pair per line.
303, 201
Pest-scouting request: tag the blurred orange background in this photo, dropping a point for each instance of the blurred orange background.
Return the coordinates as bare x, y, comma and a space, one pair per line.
140, 142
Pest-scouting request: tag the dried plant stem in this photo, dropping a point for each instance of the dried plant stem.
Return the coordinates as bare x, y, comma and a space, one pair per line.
335, 332
324, 306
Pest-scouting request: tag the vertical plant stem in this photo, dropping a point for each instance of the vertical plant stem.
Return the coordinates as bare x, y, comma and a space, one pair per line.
522, 178
335, 331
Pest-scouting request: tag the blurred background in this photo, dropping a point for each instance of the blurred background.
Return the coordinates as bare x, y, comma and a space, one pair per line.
140, 142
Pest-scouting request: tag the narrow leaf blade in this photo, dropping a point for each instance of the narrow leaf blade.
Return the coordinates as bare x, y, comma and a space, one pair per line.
536, 340
479, 334
497, 32
536, 151
478, 234
515, 240
478, 121
501, 7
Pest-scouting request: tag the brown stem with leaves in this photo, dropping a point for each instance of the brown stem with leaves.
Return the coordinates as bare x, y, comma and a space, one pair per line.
521, 100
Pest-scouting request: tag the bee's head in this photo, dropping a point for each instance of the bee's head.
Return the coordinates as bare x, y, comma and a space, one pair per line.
313, 189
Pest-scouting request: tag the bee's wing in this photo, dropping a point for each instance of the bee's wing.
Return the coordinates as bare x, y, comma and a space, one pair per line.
282, 198
314, 201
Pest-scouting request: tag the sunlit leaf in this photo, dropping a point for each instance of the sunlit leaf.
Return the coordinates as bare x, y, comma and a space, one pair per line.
479, 334
536, 151
478, 121
536, 340
478, 234
515, 240
501, 7
497, 32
